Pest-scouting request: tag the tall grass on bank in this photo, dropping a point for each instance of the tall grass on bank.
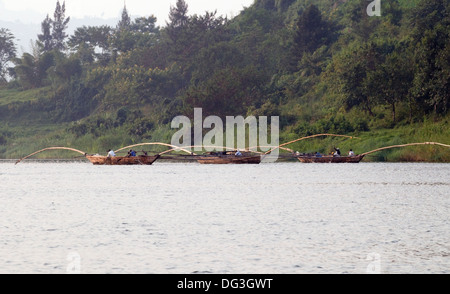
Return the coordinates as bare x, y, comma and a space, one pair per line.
20, 141
368, 141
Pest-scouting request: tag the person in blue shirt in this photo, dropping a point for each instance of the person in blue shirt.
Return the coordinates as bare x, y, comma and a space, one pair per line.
132, 153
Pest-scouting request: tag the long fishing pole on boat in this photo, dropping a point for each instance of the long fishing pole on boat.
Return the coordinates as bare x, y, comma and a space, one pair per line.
191, 155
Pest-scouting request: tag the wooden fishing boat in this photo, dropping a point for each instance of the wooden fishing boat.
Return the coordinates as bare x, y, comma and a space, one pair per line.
121, 160
228, 158
223, 158
330, 159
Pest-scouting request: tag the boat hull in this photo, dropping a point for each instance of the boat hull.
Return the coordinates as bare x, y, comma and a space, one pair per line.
229, 159
119, 160
330, 159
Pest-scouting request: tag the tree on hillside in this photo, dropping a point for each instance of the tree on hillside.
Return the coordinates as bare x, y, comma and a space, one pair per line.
122, 39
312, 32
178, 15
59, 26
7, 52
390, 81
431, 43
348, 75
129, 34
94, 41
276, 5
145, 25
31, 70
265, 4
45, 40
360, 23
185, 36
283, 5
230, 90
178, 19
125, 21
53, 30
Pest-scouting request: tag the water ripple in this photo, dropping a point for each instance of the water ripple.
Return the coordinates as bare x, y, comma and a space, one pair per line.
189, 218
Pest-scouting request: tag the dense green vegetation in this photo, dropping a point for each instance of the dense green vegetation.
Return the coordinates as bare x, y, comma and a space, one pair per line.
323, 66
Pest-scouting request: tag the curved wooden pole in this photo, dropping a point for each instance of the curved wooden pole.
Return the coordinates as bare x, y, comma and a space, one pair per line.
226, 148
404, 145
308, 137
51, 148
256, 147
181, 148
160, 144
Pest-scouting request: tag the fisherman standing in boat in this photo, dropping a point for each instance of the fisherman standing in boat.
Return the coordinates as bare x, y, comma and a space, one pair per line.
111, 153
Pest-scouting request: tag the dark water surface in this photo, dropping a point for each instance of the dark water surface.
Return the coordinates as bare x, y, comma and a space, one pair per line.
174, 218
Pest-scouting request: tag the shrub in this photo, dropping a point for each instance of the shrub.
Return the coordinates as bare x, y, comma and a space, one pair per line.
141, 127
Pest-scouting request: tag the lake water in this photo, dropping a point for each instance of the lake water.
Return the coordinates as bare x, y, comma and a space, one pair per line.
175, 218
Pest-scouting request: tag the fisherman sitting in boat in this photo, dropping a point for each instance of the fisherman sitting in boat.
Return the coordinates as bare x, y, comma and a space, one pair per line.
337, 153
111, 153
131, 153
238, 153
351, 153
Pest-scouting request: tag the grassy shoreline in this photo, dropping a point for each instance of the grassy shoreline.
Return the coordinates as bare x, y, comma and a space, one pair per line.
24, 140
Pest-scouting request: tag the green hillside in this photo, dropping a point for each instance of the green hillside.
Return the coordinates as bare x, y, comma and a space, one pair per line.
322, 66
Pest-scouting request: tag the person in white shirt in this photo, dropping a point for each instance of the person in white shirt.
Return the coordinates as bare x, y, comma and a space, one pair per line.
351, 153
111, 153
